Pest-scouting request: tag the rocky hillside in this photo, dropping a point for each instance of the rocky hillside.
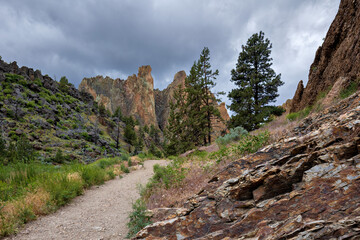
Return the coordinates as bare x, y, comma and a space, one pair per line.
52, 116
136, 97
302, 187
337, 60
306, 185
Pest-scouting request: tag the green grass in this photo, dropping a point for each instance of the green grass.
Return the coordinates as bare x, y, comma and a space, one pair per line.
246, 145
299, 115
62, 183
349, 90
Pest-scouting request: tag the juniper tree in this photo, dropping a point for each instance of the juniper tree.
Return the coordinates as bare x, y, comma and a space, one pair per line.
257, 84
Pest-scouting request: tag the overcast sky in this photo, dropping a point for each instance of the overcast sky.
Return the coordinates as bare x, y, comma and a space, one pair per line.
85, 38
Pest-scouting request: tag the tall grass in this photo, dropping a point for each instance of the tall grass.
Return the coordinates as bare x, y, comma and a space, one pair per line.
30, 190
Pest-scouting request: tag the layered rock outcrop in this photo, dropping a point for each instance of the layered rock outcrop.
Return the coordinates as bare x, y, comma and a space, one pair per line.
303, 187
136, 97
338, 57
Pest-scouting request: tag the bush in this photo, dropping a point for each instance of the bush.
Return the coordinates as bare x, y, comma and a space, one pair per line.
235, 135
124, 169
59, 158
170, 175
137, 218
92, 176
125, 157
7, 91
251, 143
31, 104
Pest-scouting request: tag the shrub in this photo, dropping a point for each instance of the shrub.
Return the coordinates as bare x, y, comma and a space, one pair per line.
7, 91
293, 116
92, 176
124, 169
124, 157
38, 82
137, 218
59, 158
251, 143
10, 77
170, 175
235, 135
31, 104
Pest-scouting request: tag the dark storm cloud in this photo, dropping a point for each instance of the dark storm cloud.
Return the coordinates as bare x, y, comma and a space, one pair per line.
114, 37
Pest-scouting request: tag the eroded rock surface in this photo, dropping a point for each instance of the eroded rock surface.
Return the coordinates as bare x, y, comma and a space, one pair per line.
338, 57
136, 97
303, 187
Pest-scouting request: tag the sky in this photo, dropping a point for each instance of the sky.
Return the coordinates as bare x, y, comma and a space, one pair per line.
86, 38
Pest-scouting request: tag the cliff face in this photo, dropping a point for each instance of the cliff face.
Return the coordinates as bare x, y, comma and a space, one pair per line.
134, 96
164, 97
338, 57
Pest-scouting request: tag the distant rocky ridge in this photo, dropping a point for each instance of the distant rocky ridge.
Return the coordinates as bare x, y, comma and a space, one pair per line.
338, 57
136, 97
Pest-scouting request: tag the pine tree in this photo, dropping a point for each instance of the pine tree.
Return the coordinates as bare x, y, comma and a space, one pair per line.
257, 84
193, 108
206, 79
177, 129
129, 132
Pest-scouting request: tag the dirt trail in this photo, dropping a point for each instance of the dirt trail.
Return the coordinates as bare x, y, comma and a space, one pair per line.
101, 213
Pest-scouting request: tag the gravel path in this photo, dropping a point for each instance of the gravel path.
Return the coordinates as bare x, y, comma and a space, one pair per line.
101, 213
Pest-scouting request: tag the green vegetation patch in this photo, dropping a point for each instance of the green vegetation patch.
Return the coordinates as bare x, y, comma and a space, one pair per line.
56, 184
137, 218
350, 89
299, 115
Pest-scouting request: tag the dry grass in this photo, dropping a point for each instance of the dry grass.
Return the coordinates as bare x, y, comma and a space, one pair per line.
279, 128
17, 212
74, 177
196, 178
37, 201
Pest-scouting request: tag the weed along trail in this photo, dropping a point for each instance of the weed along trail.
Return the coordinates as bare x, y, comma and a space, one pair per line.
100, 213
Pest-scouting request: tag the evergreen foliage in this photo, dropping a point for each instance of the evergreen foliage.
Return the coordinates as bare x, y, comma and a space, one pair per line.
129, 132
20, 151
257, 85
193, 108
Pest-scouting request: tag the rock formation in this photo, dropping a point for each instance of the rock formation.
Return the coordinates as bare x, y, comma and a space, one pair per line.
164, 97
136, 97
304, 187
297, 97
339, 55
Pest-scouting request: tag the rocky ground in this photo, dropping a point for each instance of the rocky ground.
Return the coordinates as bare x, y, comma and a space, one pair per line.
303, 187
101, 213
